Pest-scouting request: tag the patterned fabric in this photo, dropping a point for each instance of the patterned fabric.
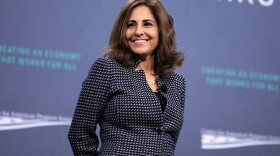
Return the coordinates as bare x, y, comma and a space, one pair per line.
128, 112
162, 100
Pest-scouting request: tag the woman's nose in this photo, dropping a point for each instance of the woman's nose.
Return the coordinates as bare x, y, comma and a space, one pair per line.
139, 31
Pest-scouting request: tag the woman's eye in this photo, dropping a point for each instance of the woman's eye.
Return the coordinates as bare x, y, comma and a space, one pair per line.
131, 25
147, 24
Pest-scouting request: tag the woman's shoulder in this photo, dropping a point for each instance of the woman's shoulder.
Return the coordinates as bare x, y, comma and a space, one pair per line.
107, 61
178, 77
109, 64
179, 82
103, 60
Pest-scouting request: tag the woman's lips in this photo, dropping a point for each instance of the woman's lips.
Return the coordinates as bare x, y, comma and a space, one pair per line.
140, 41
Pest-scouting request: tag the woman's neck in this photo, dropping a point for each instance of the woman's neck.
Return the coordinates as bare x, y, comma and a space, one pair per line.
147, 65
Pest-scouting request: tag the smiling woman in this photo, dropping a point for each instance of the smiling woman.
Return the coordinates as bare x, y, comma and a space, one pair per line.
166, 57
133, 93
142, 32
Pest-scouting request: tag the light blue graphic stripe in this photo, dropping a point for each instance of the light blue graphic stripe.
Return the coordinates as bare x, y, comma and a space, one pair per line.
238, 145
33, 125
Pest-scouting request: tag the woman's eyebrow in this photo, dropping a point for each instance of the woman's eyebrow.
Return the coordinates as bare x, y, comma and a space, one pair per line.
144, 20
131, 20
148, 20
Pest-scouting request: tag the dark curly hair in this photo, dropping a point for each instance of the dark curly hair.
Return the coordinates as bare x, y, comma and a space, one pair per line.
167, 58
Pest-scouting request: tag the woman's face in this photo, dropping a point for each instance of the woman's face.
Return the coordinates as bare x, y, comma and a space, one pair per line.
142, 32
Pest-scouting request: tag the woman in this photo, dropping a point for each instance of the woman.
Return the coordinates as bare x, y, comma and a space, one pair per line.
133, 93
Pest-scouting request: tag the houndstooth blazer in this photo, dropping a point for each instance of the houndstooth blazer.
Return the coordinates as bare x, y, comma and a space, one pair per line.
128, 112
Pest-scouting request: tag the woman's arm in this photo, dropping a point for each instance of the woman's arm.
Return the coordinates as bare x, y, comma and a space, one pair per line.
93, 97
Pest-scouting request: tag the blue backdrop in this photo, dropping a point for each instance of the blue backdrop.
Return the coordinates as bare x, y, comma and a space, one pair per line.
232, 70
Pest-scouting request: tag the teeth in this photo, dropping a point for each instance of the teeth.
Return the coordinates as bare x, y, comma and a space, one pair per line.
140, 41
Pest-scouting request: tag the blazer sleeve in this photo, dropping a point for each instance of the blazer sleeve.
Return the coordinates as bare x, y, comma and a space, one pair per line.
183, 93
89, 110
